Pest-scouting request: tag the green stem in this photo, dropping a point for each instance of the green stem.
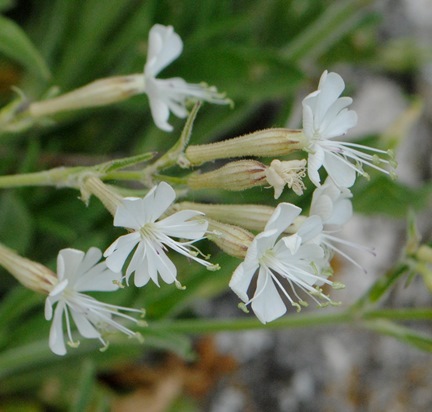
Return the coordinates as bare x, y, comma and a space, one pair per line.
61, 176
408, 314
124, 175
305, 320
198, 326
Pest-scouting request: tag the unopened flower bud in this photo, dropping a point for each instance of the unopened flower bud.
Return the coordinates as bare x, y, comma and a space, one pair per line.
30, 274
263, 143
231, 239
98, 93
288, 173
251, 217
234, 176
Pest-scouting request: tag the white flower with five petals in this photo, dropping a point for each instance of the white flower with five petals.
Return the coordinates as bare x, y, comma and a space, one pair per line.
277, 260
80, 272
151, 236
166, 95
326, 116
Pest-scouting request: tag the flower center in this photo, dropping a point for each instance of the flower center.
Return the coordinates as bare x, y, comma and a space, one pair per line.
148, 231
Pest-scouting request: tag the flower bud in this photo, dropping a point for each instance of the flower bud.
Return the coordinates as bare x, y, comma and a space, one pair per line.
98, 93
263, 143
235, 176
231, 239
250, 217
30, 274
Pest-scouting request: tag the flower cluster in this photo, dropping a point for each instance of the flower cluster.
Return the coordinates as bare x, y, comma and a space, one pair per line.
287, 256
300, 260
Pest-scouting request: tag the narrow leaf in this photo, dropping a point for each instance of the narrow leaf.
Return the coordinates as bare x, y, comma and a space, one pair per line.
15, 44
402, 333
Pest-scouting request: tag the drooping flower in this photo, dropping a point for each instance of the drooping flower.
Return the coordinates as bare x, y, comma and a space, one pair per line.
166, 95
333, 204
152, 236
289, 173
287, 259
79, 272
325, 117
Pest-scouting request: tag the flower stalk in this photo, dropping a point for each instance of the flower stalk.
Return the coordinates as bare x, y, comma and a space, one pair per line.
92, 185
101, 92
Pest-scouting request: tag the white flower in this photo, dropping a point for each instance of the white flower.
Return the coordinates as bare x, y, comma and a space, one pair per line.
79, 272
326, 116
331, 208
332, 204
287, 259
166, 95
151, 236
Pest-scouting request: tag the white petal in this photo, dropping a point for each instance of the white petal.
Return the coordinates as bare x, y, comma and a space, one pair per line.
139, 265
118, 252
241, 279
48, 309
331, 86
99, 278
311, 228
56, 338
342, 173
179, 225
158, 200
292, 243
165, 45
158, 105
282, 217
68, 262
85, 328
131, 214
308, 119
262, 243
321, 206
309, 253
315, 161
267, 303
342, 212
344, 121
166, 269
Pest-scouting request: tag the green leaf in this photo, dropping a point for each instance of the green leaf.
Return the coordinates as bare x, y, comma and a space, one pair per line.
15, 44
15, 222
338, 19
380, 287
382, 195
124, 162
85, 387
243, 72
